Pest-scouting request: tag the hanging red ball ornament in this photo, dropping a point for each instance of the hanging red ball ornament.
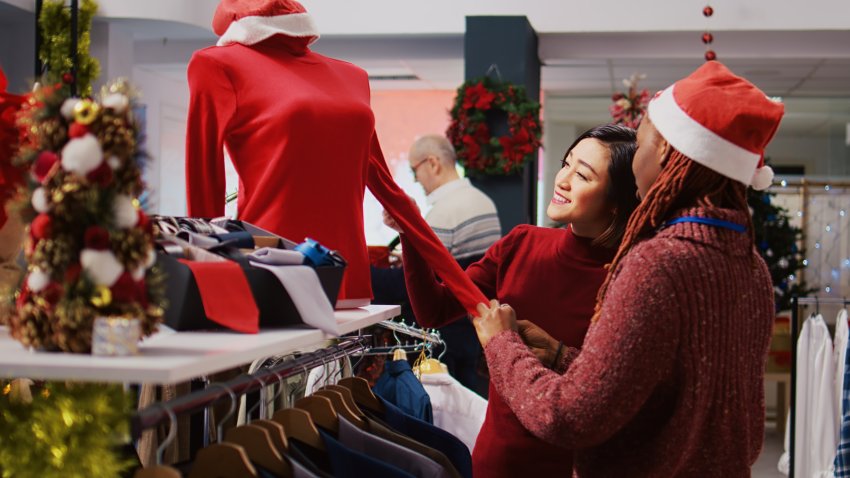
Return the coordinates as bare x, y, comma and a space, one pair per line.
708, 11
710, 55
707, 38
67, 78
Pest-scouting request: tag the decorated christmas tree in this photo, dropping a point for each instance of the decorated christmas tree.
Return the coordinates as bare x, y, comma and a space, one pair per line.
779, 244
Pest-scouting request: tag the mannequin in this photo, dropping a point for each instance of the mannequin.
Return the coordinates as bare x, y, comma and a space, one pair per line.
301, 133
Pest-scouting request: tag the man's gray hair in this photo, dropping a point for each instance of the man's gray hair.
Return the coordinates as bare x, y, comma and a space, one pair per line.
436, 145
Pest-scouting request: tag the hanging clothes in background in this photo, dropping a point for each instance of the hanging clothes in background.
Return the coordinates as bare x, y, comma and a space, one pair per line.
399, 386
328, 374
816, 427
842, 454
839, 353
426, 434
457, 409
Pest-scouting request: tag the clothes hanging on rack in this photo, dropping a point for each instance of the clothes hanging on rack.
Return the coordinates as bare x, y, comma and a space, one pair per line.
842, 453
816, 425
427, 434
347, 463
457, 409
839, 353
398, 385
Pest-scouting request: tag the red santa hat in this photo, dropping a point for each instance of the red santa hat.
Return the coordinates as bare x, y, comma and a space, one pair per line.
721, 121
252, 21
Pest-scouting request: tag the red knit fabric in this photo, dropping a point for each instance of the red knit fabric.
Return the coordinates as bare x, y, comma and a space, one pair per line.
669, 381
10, 176
549, 275
301, 134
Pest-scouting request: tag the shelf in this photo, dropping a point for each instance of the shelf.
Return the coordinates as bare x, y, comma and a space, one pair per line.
171, 357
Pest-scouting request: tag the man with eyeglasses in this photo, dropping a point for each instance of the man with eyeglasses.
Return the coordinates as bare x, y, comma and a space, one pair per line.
466, 222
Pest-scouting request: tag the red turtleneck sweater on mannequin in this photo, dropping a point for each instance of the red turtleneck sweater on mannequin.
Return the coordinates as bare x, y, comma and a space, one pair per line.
301, 134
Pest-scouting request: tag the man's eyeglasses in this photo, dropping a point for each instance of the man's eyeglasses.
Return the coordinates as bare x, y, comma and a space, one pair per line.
420, 163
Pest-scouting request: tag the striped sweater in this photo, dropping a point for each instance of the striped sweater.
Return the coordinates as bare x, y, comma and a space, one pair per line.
669, 381
464, 219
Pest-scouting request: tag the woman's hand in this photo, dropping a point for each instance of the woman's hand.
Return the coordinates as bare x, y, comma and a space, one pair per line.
390, 221
543, 345
492, 320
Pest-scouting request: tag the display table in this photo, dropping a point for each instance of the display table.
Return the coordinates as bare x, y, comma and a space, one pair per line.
171, 357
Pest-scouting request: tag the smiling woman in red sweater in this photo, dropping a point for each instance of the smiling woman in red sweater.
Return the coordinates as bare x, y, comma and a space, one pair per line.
538, 271
669, 380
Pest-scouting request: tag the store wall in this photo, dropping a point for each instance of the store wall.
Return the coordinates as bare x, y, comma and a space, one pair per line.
17, 48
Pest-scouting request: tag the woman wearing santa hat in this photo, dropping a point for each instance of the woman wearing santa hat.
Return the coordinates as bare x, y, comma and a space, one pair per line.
669, 379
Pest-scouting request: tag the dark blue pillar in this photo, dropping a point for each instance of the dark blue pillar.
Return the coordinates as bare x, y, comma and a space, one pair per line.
506, 47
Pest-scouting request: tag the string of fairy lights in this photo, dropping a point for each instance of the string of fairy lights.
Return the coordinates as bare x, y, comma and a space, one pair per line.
823, 211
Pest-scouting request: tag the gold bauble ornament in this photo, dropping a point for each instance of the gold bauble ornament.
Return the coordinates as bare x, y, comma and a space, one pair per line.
102, 296
86, 111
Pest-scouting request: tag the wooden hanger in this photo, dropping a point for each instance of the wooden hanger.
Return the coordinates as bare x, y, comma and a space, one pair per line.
431, 366
222, 460
297, 424
321, 412
258, 445
347, 397
399, 354
276, 432
363, 394
341, 408
159, 470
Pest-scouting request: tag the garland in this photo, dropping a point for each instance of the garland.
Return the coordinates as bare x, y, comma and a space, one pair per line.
478, 151
630, 107
90, 249
63, 429
55, 24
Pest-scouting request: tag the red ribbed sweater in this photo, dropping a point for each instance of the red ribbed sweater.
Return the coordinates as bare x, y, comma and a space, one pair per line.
669, 381
549, 274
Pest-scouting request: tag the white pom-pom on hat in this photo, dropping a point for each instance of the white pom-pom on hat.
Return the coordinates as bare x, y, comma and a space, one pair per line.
82, 155
124, 212
67, 108
102, 266
39, 200
762, 178
37, 280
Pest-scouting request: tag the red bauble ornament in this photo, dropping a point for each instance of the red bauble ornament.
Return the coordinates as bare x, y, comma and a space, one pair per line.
707, 38
67, 78
708, 11
102, 175
96, 238
43, 164
710, 55
77, 130
41, 227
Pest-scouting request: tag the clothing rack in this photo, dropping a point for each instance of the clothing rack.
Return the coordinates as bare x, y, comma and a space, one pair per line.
433, 336
796, 302
243, 384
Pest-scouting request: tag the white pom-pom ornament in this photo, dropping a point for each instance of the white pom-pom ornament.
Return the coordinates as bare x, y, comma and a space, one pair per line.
102, 266
82, 155
39, 200
124, 212
763, 178
67, 108
116, 102
37, 280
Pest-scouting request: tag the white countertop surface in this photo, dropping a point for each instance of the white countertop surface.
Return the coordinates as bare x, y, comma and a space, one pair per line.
170, 357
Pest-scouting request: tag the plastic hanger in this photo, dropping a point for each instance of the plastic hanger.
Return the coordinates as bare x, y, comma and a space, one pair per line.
223, 460
160, 470
433, 365
341, 408
363, 394
321, 411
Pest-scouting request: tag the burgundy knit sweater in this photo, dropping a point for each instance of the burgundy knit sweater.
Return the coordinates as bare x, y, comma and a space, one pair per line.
669, 381
551, 275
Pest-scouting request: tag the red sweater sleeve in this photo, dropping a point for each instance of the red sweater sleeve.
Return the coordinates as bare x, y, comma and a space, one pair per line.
212, 103
433, 303
419, 234
625, 355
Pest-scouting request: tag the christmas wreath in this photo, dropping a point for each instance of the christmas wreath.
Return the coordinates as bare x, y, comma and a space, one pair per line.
495, 128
